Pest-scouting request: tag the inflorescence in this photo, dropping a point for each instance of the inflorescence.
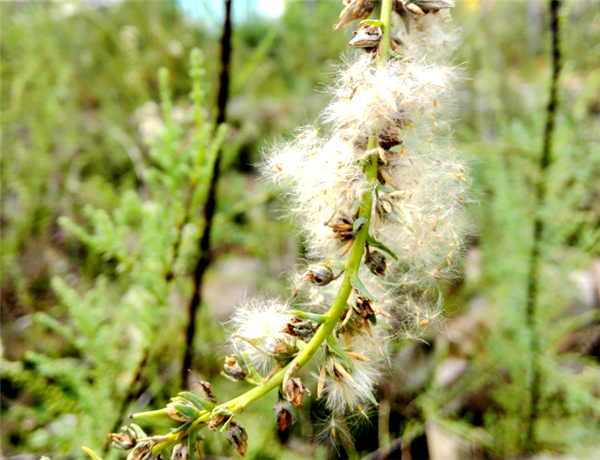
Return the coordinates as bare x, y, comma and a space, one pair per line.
380, 204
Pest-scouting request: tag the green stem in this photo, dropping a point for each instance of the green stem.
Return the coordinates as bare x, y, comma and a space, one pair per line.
386, 21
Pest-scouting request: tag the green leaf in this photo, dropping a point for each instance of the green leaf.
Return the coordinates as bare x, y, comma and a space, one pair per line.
358, 222
376, 244
138, 431
183, 427
200, 403
372, 22
338, 351
187, 411
311, 316
357, 284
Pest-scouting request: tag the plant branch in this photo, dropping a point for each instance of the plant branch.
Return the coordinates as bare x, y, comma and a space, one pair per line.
210, 204
545, 160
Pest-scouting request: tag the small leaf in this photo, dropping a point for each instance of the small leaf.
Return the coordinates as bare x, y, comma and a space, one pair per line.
338, 351
372, 22
376, 244
138, 431
317, 318
357, 284
187, 411
91, 453
183, 427
358, 222
200, 403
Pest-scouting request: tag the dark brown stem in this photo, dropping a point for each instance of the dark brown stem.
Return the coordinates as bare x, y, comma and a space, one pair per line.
210, 205
530, 441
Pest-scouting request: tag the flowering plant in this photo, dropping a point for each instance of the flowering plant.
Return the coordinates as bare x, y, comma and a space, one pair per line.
380, 201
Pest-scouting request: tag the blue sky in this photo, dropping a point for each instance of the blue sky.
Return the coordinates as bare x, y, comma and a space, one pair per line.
242, 9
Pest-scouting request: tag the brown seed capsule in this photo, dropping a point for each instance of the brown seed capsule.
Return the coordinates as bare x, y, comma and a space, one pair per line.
142, 451
284, 414
367, 38
232, 370
125, 440
319, 274
208, 391
355, 9
217, 420
376, 262
386, 206
340, 372
238, 438
181, 451
363, 307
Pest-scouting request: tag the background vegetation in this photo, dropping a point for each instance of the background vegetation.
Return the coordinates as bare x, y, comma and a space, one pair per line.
105, 165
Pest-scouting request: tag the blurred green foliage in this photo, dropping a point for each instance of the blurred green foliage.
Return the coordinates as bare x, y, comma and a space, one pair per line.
86, 295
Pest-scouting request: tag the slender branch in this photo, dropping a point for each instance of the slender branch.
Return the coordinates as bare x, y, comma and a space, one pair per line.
545, 160
210, 205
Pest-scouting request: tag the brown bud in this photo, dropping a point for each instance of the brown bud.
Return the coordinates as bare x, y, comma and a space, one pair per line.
142, 451
237, 436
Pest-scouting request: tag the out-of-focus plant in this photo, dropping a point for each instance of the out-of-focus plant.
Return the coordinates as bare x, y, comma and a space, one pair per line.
381, 206
150, 239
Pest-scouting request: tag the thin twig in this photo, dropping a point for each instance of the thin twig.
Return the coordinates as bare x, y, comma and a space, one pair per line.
530, 440
210, 205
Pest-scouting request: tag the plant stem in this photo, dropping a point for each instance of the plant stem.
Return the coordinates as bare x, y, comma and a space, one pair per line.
386, 20
210, 205
530, 440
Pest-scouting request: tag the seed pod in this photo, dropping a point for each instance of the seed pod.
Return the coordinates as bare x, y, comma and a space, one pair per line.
142, 451
237, 436
299, 327
294, 390
319, 275
125, 440
208, 391
181, 410
355, 9
376, 263
232, 370
181, 451
363, 307
367, 38
342, 226
217, 420
284, 414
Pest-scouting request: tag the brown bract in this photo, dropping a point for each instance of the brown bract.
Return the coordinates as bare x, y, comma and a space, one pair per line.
237, 436
142, 451
355, 9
